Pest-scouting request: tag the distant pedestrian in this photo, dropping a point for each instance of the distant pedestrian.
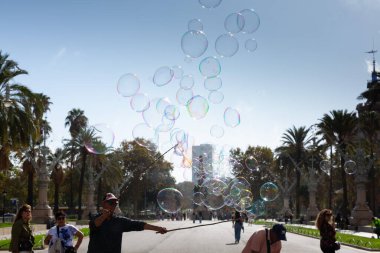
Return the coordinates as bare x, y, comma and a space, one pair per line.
194, 217
237, 224
338, 220
200, 216
326, 226
22, 239
266, 240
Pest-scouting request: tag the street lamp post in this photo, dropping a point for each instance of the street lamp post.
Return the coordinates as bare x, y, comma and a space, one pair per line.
4, 195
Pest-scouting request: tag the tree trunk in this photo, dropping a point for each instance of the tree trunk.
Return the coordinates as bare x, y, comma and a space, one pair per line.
56, 198
29, 200
81, 182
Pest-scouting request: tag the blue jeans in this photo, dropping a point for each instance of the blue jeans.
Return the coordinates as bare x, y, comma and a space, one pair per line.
238, 226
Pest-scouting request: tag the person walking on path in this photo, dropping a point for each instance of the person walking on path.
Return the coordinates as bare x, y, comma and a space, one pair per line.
237, 224
22, 239
326, 226
106, 229
376, 223
64, 232
266, 240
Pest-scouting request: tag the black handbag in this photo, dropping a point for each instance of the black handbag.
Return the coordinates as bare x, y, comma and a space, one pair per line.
70, 249
25, 245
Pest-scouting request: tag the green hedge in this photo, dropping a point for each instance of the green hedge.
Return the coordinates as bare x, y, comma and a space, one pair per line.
346, 239
39, 244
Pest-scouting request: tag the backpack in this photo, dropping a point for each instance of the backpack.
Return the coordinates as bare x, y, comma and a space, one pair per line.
57, 246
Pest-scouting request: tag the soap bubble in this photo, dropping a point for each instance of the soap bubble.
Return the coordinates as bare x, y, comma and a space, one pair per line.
350, 167
128, 85
101, 139
194, 43
170, 200
269, 191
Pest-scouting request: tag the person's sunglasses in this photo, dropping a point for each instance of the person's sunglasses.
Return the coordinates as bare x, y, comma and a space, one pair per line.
112, 202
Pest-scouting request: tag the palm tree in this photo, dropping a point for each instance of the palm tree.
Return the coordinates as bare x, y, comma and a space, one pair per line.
76, 121
57, 176
339, 128
294, 141
369, 124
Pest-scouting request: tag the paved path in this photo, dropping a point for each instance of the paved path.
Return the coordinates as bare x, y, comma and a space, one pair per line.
216, 238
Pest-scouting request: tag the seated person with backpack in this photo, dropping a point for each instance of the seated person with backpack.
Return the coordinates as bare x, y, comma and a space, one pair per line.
60, 237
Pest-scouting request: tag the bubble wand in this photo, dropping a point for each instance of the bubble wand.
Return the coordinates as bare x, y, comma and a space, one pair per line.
175, 229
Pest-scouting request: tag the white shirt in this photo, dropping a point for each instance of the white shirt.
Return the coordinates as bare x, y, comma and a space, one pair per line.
66, 234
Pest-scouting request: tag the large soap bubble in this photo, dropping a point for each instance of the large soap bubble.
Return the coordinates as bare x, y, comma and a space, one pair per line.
194, 43
269, 191
170, 200
100, 140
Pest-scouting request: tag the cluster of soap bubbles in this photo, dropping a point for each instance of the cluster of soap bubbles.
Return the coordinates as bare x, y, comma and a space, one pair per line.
214, 191
349, 167
159, 115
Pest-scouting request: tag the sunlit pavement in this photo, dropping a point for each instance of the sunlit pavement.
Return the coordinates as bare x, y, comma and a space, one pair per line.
214, 238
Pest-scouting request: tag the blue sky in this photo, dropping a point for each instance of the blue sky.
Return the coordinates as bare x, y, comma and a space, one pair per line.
310, 60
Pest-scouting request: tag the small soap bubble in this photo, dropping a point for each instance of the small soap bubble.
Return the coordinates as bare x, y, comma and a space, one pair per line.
234, 23
213, 83
187, 82
197, 107
231, 117
350, 167
128, 85
226, 45
251, 20
217, 131
140, 102
209, 3
194, 43
163, 76
215, 97
210, 67
250, 45
195, 25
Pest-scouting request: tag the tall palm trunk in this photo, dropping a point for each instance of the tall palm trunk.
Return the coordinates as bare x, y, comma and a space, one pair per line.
56, 198
81, 182
344, 184
71, 199
298, 193
30, 188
